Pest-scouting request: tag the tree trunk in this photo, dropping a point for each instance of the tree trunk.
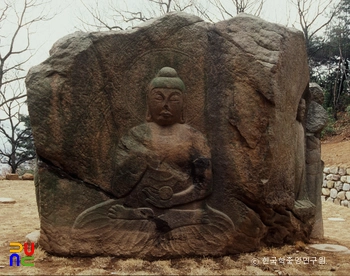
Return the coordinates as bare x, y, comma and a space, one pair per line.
13, 163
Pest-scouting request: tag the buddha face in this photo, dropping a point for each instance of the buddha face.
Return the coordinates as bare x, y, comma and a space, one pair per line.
165, 106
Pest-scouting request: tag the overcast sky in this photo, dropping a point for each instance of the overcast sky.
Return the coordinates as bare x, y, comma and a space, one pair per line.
69, 12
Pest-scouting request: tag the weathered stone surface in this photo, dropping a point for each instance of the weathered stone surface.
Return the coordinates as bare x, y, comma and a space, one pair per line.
330, 184
27, 176
244, 79
326, 191
336, 177
333, 193
324, 183
346, 187
326, 170
329, 177
314, 176
317, 93
342, 171
317, 118
341, 195
334, 170
344, 203
12, 176
338, 185
347, 194
343, 178
330, 199
348, 171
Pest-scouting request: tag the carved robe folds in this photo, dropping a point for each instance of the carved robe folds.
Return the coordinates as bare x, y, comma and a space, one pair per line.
161, 188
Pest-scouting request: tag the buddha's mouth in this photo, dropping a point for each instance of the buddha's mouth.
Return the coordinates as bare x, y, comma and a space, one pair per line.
166, 114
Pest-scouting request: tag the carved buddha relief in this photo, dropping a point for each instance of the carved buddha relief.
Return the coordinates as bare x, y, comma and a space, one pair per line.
162, 179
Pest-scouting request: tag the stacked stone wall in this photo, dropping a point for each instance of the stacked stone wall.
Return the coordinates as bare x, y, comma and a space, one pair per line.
336, 185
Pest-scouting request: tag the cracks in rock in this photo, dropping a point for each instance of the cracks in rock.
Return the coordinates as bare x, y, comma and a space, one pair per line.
244, 50
161, 225
45, 163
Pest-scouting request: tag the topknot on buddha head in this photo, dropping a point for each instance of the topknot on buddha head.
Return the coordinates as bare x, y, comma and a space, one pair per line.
167, 77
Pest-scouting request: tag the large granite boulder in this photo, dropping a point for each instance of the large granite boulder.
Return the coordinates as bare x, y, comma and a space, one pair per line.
93, 131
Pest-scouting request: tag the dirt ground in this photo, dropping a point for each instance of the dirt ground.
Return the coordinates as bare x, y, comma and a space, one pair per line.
335, 152
335, 149
21, 218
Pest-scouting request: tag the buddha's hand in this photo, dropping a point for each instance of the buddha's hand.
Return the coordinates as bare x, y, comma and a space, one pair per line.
200, 169
155, 197
201, 186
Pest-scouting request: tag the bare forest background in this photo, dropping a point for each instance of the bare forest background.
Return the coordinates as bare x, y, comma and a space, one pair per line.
325, 24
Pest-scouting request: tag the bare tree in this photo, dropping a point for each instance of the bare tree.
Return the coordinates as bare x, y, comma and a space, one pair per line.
227, 8
15, 42
128, 14
120, 15
15, 132
314, 15
16, 20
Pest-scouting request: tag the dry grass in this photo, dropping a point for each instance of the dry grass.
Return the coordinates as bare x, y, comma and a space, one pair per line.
21, 218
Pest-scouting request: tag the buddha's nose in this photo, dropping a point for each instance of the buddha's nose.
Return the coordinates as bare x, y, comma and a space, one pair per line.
166, 105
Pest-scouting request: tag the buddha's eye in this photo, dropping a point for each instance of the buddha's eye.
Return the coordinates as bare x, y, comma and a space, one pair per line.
158, 97
174, 98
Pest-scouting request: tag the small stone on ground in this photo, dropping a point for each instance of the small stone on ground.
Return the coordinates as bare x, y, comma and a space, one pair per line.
7, 200
330, 247
33, 236
336, 219
27, 176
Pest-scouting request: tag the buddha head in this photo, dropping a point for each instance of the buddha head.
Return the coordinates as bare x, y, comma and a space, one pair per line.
165, 98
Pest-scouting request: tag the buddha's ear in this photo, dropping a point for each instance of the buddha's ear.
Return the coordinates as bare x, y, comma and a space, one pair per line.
148, 115
183, 113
